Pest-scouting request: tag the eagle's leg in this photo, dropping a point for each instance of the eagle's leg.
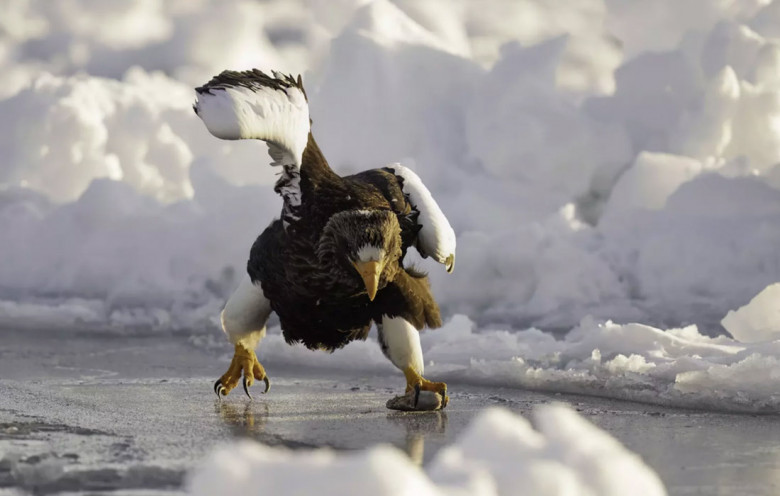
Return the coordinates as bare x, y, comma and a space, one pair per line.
243, 321
400, 343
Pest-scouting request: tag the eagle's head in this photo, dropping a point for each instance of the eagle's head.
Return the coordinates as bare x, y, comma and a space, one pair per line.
363, 246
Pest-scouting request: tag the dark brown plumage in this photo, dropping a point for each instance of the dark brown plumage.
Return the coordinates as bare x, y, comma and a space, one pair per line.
251, 79
304, 270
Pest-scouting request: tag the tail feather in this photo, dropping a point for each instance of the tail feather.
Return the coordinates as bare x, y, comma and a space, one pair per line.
253, 105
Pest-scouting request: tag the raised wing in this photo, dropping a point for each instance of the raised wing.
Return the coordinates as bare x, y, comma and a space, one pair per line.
436, 237
252, 105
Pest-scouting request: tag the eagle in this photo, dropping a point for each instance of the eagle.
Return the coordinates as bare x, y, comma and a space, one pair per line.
332, 264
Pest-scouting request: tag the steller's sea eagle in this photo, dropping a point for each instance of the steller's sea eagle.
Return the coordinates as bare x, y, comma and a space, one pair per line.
332, 265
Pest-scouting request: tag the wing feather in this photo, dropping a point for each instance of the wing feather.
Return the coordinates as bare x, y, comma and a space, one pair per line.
252, 105
436, 237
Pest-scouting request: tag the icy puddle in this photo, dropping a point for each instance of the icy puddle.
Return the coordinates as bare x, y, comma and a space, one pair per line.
134, 415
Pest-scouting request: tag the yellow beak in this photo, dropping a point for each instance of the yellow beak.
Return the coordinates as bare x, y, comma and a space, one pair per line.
369, 272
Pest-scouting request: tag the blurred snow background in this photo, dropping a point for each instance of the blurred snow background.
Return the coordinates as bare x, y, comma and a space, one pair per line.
598, 159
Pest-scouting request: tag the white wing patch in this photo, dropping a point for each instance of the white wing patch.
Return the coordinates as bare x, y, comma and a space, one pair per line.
436, 238
277, 116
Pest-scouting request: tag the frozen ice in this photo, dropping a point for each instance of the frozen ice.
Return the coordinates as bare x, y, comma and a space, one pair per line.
498, 453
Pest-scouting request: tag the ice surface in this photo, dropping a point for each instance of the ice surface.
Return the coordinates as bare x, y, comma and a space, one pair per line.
612, 159
498, 454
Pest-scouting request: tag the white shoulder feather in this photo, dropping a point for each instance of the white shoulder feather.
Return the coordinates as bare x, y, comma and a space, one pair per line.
436, 238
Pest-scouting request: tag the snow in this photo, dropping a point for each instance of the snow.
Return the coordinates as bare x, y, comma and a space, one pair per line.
649, 182
610, 168
676, 367
757, 321
498, 454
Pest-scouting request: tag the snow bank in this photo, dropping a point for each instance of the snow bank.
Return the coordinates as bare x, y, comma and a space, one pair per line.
587, 167
497, 454
675, 367
140, 131
188, 39
69, 131
570, 174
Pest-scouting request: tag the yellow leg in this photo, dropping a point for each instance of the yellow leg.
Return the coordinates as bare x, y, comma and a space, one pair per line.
244, 362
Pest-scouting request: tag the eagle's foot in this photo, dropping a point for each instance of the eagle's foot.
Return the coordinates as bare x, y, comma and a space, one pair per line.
244, 362
416, 400
415, 383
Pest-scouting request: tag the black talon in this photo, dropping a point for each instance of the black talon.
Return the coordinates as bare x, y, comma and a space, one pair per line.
217, 386
416, 394
246, 389
267, 384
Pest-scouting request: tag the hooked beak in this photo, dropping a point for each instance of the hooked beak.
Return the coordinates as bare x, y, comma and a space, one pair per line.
369, 272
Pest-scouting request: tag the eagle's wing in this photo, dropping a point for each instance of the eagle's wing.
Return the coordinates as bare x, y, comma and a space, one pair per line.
436, 237
252, 105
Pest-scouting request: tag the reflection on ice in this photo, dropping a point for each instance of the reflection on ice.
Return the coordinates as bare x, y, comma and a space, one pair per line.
418, 427
247, 420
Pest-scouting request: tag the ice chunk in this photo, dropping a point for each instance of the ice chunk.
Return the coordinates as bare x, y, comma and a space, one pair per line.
650, 181
759, 320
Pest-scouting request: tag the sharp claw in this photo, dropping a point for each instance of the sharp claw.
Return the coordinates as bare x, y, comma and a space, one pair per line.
416, 395
246, 389
217, 385
267, 384
449, 263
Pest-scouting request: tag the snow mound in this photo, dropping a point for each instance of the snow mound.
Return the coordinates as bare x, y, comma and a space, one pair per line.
651, 180
96, 128
251, 468
757, 321
191, 40
677, 367
497, 454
